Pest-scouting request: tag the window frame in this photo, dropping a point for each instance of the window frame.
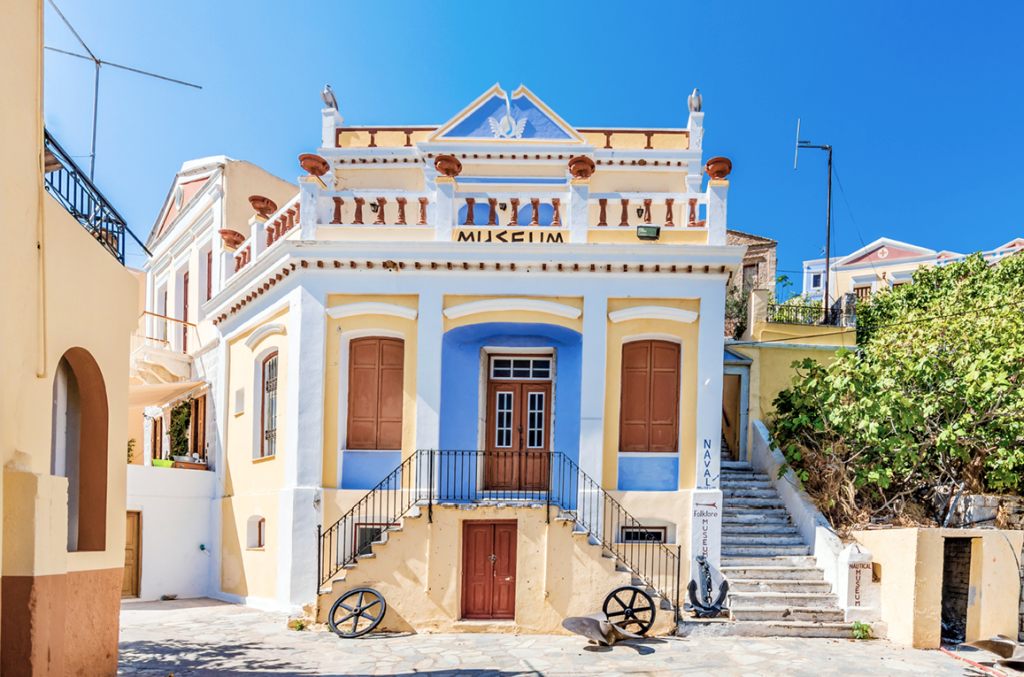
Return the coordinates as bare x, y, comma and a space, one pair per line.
649, 422
273, 355
662, 531
350, 392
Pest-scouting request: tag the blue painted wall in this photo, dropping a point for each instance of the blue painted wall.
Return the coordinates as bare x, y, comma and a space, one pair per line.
647, 473
365, 469
460, 379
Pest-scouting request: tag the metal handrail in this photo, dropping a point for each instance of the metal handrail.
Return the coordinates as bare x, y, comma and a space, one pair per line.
73, 189
455, 476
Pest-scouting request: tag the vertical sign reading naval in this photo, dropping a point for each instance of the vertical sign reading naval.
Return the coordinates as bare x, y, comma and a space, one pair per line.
706, 528
708, 468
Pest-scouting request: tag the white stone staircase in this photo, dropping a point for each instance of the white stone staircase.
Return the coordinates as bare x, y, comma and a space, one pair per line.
775, 586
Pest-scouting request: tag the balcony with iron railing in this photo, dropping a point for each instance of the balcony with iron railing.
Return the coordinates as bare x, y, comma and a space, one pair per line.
838, 315
75, 191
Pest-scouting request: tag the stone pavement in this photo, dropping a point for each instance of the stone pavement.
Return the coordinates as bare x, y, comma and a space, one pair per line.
205, 637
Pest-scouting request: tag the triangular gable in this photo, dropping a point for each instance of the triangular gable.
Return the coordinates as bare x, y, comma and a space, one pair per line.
885, 249
1012, 244
176, 204
496, 116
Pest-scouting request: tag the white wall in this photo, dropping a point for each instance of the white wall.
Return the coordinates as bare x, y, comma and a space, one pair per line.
177, 519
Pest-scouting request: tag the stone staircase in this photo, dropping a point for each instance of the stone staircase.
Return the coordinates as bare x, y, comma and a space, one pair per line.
775, 586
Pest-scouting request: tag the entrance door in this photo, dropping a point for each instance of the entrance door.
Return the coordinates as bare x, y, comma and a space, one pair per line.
518, 435
132, 552
731, 423
488, 570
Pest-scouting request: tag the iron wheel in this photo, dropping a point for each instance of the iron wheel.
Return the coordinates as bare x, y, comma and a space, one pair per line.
631, 609
357, 612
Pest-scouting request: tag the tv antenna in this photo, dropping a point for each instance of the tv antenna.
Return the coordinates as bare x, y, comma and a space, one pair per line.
801, 143
96, 82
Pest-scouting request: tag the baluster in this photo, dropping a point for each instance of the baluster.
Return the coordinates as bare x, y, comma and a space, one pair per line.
556, 218
602, 216
669, 202
535, 206
470, 208
338, 202
358, 220
693, 213
624, 219
647, 210
514, 221
492, 211
401, 211
270, 235
423, 212
381, 201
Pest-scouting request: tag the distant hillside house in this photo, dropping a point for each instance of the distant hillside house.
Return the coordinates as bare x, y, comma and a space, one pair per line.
883, 264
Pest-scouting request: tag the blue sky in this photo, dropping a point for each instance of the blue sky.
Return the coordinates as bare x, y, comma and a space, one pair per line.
921, 100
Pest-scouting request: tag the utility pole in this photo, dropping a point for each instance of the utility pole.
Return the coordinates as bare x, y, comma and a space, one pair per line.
800, 143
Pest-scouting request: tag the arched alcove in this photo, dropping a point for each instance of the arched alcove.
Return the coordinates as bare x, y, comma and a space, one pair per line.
78, 450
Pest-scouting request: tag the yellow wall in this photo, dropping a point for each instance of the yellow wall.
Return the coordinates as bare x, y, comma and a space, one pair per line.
686, 334
804, 334
880, 271
333, 409
419, 572
522, 316
251, 484
910, 563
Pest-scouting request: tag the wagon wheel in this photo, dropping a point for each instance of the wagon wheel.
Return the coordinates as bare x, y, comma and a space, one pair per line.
357, 612
630, 608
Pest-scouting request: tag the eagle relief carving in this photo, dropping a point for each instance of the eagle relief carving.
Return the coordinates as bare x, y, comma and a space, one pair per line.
507, 127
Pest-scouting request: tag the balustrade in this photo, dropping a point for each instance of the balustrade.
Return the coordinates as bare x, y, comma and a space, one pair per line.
638, 209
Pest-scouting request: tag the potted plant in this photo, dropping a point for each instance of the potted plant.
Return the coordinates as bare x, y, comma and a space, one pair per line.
163, 463
181, 417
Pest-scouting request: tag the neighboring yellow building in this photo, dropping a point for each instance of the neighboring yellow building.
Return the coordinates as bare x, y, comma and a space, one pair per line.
69, 308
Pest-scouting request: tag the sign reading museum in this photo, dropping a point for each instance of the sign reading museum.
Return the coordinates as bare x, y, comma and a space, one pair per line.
507, 235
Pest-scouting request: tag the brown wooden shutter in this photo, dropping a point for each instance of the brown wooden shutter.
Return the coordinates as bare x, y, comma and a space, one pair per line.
375, 393
649, 406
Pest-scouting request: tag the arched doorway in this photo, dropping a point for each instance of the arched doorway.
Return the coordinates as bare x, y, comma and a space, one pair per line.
78, 447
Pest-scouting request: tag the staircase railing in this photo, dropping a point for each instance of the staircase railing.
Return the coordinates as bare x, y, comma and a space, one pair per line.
451, 476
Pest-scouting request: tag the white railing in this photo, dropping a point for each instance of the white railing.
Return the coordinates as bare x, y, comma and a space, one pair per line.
621, 210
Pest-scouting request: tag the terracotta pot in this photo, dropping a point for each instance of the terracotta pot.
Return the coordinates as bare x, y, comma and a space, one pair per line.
232, 238
314, 164
581, 167
263, 206
718, 167
448, 165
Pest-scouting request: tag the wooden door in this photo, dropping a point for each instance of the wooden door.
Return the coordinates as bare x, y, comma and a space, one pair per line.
731, 413
518, 436
132, 555
488, 570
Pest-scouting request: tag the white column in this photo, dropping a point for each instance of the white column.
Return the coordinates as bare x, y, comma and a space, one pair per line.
710, 348
444, 209
429, 333
301, 450
716, 215
309, 187
592, 385
579, 194
695, 125
330, 120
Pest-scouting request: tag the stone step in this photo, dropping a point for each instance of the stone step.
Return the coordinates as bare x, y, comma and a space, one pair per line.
772, 502
762, 539
755, 517
756, 528
764, 550
727, 485
751, 492
786, 613
800, 561
740, 475
742, 466
767, 629
806, 600
778, 585
774, 573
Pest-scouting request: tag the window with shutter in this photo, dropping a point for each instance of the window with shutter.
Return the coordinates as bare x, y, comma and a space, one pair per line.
375, 374
649, 406
268, 438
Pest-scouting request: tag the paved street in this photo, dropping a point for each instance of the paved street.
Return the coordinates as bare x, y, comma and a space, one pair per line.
204, 637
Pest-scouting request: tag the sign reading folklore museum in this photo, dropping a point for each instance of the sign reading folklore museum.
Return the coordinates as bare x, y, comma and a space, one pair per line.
508, 235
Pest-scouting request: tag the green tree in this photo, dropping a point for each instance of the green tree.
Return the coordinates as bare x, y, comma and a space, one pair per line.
930, 399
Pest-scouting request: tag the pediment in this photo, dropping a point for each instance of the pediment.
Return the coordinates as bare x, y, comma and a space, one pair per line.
496, 116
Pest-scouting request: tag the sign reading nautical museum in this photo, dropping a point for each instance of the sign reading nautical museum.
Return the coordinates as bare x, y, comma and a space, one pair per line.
507, 235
